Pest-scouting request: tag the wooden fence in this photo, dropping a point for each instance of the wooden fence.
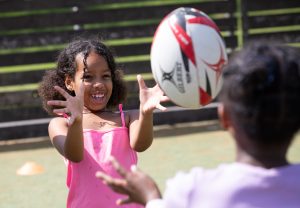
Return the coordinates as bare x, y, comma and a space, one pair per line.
32, 32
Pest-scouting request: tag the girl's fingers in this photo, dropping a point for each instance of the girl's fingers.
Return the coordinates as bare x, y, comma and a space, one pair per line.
134, 168
157, 88
62, 92
118, 167
124, 201
61, 111
103, 176
115, 183
57, 102
160, 107
141, 82
164, 99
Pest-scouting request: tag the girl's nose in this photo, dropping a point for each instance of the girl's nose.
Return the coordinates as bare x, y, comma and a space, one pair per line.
98, 84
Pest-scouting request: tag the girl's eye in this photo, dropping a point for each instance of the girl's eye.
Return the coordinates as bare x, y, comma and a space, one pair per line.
86, 76
107, 76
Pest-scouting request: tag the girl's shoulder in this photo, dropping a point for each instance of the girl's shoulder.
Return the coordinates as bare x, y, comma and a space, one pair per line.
58, 126
58, 121
130, 115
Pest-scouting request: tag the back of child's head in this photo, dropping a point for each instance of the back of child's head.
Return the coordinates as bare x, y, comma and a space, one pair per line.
261, 92
66, 66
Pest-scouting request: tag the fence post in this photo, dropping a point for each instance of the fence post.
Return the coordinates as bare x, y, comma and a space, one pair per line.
232, 7
245, 24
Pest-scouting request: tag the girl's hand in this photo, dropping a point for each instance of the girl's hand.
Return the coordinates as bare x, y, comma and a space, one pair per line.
150, 98
138, 186
72, 106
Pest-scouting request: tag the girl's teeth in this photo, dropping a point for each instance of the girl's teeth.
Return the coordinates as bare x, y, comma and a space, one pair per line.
98, 96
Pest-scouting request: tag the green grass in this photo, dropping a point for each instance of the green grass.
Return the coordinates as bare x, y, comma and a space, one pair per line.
175, 148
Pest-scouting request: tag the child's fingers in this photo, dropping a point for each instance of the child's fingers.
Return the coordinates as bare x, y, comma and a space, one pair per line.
115, 183
124, 201
160, 107
141, 82
133, 168
57, 102
61, 111
118, 167
164, 99
62, 92
104, 177
157, 88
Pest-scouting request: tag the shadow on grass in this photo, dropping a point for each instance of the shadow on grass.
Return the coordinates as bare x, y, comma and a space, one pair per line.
25, 144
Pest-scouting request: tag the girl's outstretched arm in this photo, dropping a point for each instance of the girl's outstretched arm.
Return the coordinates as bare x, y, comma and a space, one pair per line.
67, 137
141, 122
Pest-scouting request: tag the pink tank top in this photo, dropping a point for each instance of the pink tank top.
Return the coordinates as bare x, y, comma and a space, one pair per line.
85, 190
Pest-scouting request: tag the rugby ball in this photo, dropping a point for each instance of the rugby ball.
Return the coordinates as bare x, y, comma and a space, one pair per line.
187, 56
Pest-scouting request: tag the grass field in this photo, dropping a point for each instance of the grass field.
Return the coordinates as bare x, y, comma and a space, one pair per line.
175, 148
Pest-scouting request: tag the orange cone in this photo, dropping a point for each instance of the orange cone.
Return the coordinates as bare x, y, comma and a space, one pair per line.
30, 168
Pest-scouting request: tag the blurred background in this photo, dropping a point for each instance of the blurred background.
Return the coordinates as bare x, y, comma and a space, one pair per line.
32, 32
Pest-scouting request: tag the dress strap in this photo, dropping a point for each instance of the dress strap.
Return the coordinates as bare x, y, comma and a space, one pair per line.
122, 115
66, 116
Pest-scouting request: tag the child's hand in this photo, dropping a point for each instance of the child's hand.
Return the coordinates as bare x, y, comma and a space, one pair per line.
72, 106
150, 98
138, 186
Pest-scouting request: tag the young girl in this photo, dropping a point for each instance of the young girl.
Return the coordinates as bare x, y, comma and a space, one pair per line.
85, 88
260, 103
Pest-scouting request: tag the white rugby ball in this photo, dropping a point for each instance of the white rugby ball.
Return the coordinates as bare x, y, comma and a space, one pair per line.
187, 57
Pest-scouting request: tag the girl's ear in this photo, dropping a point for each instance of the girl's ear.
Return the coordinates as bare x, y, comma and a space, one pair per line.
69, 83
223, 116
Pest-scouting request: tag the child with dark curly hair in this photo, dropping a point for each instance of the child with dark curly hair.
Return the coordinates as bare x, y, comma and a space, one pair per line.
260, 107
83, 92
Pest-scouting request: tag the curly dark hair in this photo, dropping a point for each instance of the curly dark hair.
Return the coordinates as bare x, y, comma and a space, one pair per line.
66, 66
261, 91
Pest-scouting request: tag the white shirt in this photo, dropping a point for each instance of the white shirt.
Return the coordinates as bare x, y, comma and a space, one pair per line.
235, 185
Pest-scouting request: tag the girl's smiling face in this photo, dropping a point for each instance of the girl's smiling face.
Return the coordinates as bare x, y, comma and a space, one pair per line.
97, 81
